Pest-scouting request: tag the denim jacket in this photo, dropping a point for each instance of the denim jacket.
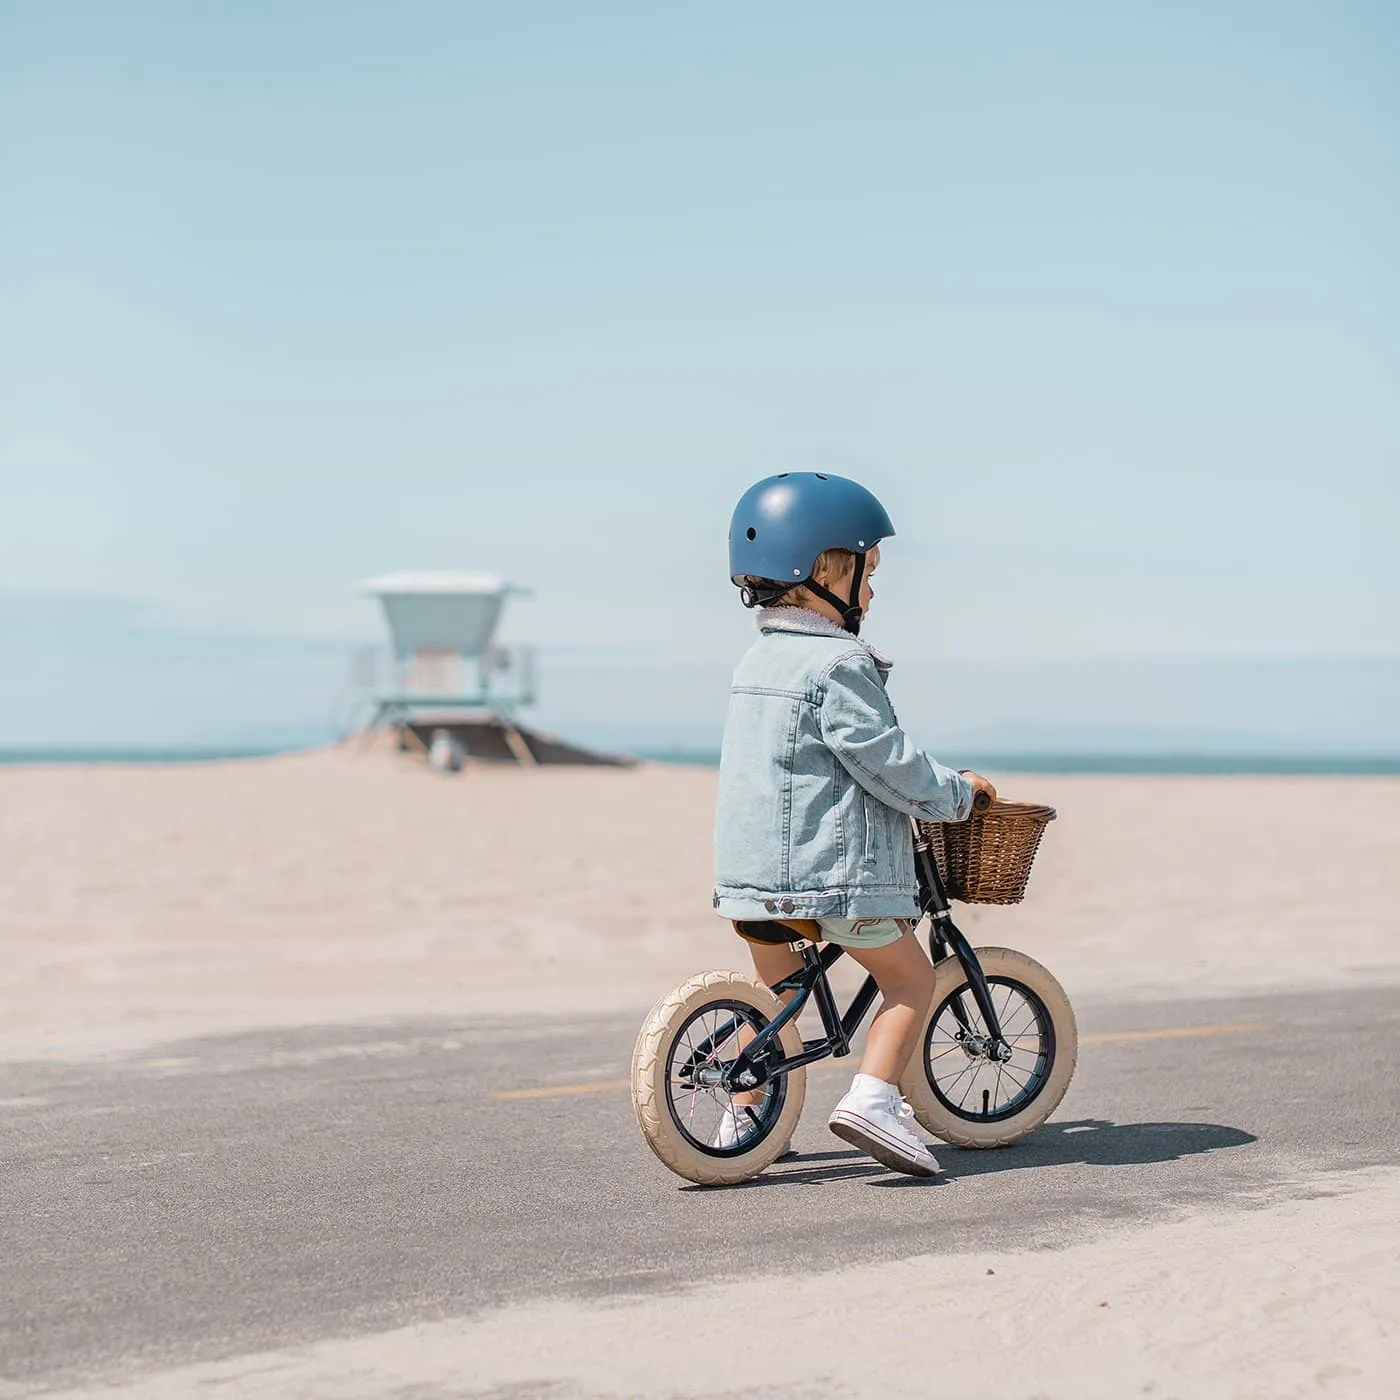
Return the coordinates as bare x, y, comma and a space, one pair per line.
817, 781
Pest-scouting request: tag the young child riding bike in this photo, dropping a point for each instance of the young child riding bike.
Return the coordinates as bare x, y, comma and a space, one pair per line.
817, 783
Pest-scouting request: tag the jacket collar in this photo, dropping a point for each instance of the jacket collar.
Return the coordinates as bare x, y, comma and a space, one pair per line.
815, 625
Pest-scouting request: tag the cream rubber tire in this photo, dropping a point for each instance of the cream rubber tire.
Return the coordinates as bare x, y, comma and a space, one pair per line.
936, 1115
651, 1101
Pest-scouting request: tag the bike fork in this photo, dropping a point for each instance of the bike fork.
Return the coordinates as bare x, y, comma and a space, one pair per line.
944, 932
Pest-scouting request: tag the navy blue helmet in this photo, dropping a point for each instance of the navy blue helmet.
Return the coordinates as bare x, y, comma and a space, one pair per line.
784, 523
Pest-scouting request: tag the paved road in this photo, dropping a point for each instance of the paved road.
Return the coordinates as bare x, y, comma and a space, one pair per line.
233, 1194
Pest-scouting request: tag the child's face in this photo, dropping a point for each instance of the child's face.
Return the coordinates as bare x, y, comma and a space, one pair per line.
867, 588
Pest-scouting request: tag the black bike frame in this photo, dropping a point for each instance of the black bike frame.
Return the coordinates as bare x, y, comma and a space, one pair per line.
762, 1058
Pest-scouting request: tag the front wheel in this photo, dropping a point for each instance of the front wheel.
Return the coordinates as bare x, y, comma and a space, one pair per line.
684, 1111
958, 1089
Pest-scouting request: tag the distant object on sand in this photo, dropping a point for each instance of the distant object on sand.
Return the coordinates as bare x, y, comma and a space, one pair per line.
456, 691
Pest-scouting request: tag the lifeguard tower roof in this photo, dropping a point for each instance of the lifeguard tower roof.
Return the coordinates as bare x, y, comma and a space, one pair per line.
441, 611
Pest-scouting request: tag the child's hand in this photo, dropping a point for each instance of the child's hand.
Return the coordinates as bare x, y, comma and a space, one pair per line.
980, 784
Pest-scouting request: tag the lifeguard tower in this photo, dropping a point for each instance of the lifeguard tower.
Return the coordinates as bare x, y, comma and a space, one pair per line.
450, 675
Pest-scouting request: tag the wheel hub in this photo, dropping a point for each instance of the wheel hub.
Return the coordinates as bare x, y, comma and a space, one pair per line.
984, 1047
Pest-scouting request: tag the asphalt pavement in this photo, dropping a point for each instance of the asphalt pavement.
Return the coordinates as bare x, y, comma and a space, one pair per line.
232, 1194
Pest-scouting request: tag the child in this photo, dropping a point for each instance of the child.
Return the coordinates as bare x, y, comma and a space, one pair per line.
818, 781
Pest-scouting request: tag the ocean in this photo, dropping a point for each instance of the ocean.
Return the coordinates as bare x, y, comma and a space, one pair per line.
1211, 764
1202, 764
134, 754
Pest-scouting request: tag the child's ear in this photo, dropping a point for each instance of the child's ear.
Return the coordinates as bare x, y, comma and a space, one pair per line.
834, 570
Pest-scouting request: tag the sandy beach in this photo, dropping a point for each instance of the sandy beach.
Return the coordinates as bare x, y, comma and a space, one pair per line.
1298, 1301
143, 904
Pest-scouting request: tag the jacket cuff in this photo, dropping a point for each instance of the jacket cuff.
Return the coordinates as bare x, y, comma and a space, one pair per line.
965, 799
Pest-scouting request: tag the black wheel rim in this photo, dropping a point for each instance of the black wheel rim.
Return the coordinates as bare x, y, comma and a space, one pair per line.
710, 1040
973, 1086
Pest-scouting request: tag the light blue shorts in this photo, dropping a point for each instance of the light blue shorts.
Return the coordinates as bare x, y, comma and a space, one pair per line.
864, 933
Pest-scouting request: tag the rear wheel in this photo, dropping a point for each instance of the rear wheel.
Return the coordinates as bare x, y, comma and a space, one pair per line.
959, 1090
692, 1123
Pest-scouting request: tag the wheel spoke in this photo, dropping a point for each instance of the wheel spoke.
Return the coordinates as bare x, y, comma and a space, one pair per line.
971, 1068
699, 1109
971, 1085
1020, 1084
1027, 1037
1010, 992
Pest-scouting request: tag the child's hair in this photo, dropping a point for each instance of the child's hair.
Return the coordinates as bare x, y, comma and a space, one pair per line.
832, 566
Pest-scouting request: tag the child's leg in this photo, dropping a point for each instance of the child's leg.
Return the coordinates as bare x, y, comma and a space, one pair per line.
906, 979
772, 962
873, 1115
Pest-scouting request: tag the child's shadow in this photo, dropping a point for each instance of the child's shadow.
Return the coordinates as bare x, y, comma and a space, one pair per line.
1090, 1141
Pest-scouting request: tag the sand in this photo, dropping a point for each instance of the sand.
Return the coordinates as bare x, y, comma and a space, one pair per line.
144, 903
141, 904
1298, 1300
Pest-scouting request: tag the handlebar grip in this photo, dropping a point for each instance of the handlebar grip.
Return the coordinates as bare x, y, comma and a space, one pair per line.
981, 801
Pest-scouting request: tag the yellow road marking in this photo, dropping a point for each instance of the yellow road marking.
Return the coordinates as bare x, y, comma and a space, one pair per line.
1176, 1033
605, 1086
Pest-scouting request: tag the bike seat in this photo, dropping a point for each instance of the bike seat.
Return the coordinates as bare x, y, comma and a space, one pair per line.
778, 930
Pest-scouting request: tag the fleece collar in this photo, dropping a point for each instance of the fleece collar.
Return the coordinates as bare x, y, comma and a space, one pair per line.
815, 625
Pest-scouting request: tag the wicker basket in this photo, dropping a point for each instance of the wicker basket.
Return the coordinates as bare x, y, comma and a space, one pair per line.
987, 859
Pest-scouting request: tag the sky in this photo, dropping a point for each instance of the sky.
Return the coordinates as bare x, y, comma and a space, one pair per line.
1101, 299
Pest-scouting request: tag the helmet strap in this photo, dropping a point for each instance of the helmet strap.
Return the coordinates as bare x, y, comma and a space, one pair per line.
849, 608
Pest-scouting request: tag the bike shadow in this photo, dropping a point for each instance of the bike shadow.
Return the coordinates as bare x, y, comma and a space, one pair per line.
808, 1169
1094, 1142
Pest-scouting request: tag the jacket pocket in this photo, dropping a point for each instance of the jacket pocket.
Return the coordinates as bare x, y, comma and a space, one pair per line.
870, 856
903, 837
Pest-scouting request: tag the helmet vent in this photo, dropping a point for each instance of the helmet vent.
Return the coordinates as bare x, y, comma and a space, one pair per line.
821, 476
751, 533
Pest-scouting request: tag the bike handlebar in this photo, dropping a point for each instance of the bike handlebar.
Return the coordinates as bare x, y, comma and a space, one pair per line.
981, 801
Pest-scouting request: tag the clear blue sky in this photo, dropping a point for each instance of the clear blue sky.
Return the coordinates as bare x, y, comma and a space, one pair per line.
1103, 299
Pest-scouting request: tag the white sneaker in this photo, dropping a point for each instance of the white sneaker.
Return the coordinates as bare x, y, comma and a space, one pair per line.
875, 1118
734, 1123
